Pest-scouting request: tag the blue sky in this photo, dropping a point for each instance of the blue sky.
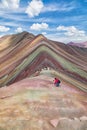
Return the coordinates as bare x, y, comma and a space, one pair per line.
59, 20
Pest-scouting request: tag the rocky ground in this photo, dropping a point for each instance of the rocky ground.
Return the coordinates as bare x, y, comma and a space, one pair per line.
36, 104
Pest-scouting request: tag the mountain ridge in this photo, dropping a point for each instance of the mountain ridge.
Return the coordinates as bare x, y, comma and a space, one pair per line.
82, 44
37, 52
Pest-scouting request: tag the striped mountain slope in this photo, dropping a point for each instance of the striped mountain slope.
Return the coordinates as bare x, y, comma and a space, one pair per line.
25, 54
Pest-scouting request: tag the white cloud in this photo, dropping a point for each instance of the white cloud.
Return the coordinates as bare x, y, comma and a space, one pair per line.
71, 31
10, 4
18, 30
61, 6
65, 39
44, 33
4, 29
34, 8
37, 26
50, 7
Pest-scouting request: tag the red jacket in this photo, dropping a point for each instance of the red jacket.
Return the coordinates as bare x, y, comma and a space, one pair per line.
56, 81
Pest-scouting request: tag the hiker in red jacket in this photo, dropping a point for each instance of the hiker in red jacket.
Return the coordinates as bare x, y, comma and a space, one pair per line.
56, 82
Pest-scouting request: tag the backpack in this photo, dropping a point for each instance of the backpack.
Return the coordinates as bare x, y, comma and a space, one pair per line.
59, 81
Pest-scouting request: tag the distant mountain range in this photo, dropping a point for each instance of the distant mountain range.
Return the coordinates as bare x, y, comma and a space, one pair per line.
24, 54
83, 44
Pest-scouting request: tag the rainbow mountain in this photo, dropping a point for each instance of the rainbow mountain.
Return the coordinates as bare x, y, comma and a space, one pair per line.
24, 55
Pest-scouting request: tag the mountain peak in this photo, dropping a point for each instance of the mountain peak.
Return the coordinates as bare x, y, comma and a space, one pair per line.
24, 54
83, 44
